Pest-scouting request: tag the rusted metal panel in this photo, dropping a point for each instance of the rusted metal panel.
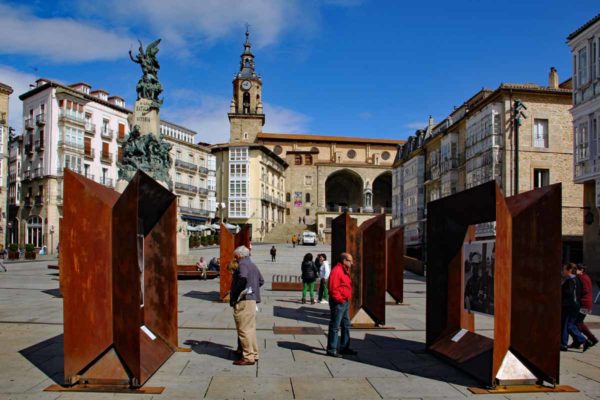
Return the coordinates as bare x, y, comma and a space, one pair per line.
297, 330
345, 239
373, 250
85, 271
394, 259
228, 242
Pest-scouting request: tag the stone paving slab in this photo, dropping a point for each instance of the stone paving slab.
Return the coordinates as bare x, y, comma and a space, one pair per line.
249, 388
333, 388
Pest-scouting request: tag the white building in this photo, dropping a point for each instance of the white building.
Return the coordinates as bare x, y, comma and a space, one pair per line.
82, 129
585, 53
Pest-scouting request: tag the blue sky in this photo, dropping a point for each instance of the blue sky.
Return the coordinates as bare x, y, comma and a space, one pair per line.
362, 68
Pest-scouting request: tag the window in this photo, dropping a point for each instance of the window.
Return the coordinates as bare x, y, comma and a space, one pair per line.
308, 180
582, 67
238, 154
385, 155
34, 231
238, 170
297, 159
307, 197
308, 211
351, 154
238, 188
541, 178
287, 211
540, 133
593, 61
308, 159
238, 208
121, 131
73, 163
288, 196
277, 149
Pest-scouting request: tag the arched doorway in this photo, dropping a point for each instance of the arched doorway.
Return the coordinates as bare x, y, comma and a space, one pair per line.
343, 189
382, 191
34, 231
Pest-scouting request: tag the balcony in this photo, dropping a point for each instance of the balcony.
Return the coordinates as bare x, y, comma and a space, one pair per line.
39, 200
39, 145
90, 128
27, 202
203, 191
106, 133
121, 137
38, 172
89, 154
106, 182
186, 165
64, 116
185, 187
198, 212
106, 157
203, 170
67, 144
27, 174
60, 170
29, 149
29, 123
40, 119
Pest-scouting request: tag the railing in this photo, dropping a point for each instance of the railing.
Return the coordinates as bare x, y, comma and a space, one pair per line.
39, 200
203, 170
186, 165
186, 187
89, 176
63, 115
70, 144
89, 154
39, 144
202, 190
194, 211
40, 119
29, 123
90, 128
106, 182
106, 157
355, 210
106, 133
38, 172
27, 174
60, 170
29, 148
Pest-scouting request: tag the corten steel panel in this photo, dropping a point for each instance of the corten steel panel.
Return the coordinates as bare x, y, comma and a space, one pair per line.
373, 268
394, 258
536, 265
127, 288
456, 311
228, 242
447, 222
345, 238
85, 271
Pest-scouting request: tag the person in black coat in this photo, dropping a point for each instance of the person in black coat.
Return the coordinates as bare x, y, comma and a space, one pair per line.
570, 302
310, 273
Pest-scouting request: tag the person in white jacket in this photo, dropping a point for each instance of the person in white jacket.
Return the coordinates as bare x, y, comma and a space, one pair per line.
324, 277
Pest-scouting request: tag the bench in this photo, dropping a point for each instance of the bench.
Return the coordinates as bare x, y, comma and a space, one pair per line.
191, 271
289, 283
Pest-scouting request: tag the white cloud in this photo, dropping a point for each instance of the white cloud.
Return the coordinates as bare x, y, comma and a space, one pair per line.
416, 125
208, 117
20, 82
58, 39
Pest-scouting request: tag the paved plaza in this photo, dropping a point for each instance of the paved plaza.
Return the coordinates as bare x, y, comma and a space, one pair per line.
391, 363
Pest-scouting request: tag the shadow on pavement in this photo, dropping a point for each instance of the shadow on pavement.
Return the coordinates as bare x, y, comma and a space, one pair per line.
207, 296
306, 314
48, 357
212, 349
53, 292
395, 354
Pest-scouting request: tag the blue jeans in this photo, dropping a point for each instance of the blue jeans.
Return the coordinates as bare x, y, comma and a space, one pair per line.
570, 327
339, 316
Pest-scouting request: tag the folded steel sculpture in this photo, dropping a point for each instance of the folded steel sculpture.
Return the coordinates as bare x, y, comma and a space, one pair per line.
526, 284
119, 281
228, 242
394, 259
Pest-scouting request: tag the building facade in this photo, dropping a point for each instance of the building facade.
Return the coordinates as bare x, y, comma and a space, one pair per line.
585, 53
5, 92
75, 127
476, 144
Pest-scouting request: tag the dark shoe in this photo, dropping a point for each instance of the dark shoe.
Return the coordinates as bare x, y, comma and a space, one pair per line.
243, 361
587, 345
564, 348
303, 301
348, 352
332, 354
312, 301
594, 341
575, 345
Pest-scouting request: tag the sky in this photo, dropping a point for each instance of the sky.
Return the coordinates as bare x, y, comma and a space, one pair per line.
361, 68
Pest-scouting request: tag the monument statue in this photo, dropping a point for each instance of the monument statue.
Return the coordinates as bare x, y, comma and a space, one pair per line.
148, 86
145, 148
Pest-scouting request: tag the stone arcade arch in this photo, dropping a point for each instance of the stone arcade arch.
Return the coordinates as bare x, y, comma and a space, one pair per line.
344, 189
382, 191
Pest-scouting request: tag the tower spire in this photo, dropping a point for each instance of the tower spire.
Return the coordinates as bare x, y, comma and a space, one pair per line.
247, 59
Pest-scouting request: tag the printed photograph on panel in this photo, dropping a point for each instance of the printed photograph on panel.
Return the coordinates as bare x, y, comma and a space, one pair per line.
297, 199
478, 271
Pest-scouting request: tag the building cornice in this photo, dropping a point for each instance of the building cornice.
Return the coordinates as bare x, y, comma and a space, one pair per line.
292, 137
583, 27
5, 88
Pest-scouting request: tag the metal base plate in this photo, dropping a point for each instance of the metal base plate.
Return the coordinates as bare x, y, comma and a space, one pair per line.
105, 389
297, 330
524, 389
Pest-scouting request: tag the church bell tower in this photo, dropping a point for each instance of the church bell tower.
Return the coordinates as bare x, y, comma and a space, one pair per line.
246, 117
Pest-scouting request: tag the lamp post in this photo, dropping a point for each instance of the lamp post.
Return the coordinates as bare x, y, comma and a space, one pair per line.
518, 108
51, 239
220, 207
10, 232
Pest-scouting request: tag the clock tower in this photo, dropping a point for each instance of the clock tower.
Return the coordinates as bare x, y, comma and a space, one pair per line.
246, 117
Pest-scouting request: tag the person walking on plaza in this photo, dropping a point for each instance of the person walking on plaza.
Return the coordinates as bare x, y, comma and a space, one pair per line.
570, 301
585, 309
324, 272
293, 240
340, 293
244, 295
309, 276
273, 254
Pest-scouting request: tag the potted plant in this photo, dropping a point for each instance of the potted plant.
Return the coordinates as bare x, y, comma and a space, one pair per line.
210, 240
13, 251
29, 251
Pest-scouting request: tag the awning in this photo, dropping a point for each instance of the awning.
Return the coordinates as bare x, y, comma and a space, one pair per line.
193, 218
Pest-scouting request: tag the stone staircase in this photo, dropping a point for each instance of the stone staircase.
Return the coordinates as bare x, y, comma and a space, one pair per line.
282, 233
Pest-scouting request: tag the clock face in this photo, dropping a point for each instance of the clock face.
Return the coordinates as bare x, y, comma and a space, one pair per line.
246, 85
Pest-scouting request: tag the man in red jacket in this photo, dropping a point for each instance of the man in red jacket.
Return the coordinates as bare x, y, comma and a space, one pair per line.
585, 309
340, 292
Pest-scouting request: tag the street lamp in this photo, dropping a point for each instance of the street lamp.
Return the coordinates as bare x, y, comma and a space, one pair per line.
220, 207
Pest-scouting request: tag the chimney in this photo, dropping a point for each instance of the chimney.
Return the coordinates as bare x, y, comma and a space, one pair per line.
553, 79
